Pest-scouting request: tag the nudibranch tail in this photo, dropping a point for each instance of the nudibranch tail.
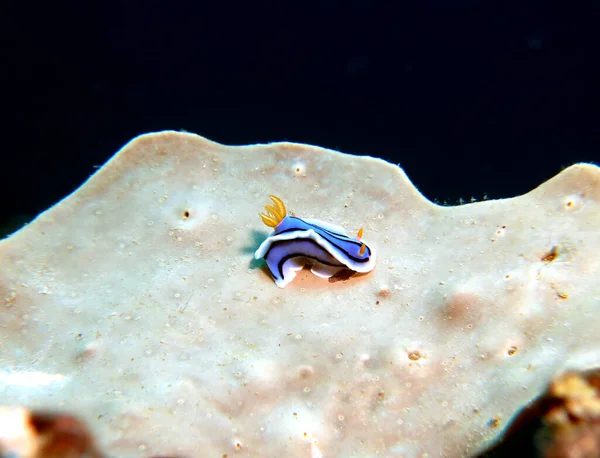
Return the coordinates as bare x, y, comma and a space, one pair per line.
275, 213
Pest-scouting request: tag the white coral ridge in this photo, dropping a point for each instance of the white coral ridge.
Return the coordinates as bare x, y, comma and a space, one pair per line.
136, 303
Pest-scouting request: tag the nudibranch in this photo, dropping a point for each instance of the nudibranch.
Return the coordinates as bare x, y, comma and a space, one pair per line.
297, 242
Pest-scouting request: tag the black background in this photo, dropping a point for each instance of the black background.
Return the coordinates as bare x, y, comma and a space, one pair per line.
471, 98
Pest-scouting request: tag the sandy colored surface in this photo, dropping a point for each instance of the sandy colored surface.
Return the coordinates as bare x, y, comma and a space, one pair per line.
136, 303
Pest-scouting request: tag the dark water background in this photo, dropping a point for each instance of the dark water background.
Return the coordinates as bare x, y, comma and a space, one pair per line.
471, 98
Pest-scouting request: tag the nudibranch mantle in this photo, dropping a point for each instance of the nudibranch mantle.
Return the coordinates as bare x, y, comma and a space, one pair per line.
296, 242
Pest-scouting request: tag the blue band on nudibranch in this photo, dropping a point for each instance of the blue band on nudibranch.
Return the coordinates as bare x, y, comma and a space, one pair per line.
296, 242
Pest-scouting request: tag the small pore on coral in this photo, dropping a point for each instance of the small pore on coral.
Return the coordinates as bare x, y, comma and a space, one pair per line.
550, 255
299, 169
186, 214
305, 372
573, 202
384, 293
563, 252
414, 355
500, 232
494, 422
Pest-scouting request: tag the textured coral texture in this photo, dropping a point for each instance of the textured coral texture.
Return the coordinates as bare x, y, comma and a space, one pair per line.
136, 304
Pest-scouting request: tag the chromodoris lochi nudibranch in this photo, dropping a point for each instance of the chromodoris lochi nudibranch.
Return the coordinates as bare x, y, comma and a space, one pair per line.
296, 242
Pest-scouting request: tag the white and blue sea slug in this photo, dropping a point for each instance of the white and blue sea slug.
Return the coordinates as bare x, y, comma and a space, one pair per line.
297, 242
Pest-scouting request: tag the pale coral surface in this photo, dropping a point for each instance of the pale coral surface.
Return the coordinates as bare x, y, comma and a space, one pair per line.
136, 303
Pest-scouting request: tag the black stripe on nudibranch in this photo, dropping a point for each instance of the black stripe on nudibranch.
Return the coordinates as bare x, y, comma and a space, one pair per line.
299, 254
340, 237
353, 258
